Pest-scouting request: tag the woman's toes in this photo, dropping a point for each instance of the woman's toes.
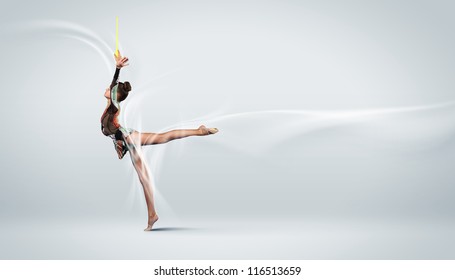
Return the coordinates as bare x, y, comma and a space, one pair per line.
206, 131
213, 130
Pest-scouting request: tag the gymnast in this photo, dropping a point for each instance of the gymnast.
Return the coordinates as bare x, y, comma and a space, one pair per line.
128, 139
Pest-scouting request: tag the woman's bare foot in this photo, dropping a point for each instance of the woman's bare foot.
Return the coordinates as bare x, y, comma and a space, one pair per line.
206, 131
152, 220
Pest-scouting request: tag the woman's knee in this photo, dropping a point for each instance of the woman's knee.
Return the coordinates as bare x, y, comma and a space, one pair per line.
161, 138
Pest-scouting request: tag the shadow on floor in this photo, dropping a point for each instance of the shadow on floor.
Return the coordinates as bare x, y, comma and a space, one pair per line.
176, 229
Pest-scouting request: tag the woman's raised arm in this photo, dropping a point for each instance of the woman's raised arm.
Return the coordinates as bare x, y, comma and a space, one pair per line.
119, 63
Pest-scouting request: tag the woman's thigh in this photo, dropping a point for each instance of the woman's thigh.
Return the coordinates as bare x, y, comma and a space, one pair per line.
132, 139
145, 138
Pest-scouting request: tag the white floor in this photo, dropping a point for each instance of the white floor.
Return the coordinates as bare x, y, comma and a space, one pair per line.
244, 239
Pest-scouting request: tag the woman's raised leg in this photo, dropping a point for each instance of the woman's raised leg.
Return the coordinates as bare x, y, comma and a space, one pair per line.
161, 138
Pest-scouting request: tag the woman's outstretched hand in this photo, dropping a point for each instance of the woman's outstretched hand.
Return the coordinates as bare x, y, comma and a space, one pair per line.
120, 61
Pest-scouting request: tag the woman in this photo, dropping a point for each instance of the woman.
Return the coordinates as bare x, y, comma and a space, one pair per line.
127, 139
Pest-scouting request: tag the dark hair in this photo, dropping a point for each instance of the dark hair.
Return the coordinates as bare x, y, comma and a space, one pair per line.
122, 93
123, 90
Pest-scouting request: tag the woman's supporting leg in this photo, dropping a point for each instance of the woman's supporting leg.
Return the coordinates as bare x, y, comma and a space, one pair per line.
161, 138
144, 177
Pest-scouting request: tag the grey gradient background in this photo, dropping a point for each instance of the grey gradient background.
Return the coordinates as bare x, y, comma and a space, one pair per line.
336, 121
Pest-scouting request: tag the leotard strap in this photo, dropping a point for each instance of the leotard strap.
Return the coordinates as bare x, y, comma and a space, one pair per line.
114, 96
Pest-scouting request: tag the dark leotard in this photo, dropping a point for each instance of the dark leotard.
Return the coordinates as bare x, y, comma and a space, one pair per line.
109, 120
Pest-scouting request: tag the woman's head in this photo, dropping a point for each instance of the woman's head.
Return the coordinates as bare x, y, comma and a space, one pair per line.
122, 90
